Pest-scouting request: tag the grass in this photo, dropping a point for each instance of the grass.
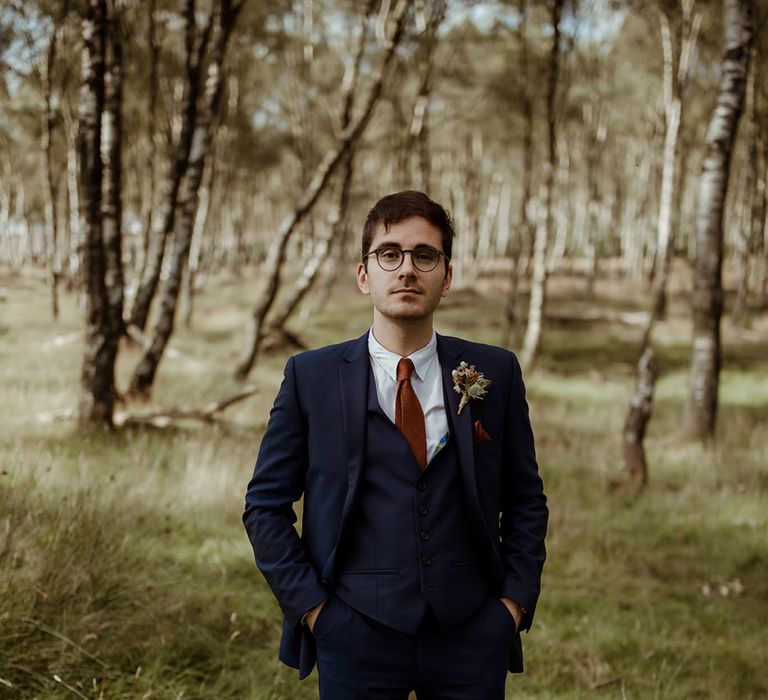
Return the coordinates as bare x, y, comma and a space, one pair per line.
125, 571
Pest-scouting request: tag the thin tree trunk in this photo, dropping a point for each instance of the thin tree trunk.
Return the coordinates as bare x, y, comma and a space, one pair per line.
196, 245
761, 244
562, 211
7, 255
337, 217
751, 227
509, 322
74, 226
320, 253
51, 215
111, 155
701, 409
674, 82
471, 174
400, 136
330, 162
595, 142
545, 222
504, 220
26, 252
225, 16
680, 224
672, 118
636, 422
97, 377
538, 282
419, 132
163, 223
485, 231
525, 230
150, 177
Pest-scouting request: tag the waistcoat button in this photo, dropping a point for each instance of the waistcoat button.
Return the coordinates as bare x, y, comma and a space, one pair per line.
424, 536
426, 561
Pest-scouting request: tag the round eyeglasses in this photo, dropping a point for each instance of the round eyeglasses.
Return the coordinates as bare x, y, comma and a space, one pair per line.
424, 258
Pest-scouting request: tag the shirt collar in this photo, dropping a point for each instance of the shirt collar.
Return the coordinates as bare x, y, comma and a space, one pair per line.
388, 360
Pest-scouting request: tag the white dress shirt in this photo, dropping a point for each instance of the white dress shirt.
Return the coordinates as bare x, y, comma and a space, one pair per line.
427, 382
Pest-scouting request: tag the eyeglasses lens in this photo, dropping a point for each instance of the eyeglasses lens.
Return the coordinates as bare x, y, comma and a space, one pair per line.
424, 259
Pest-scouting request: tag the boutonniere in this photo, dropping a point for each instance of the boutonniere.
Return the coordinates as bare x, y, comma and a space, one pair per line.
470, 383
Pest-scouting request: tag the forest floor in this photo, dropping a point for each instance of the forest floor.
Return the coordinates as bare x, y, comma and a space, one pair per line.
125, 571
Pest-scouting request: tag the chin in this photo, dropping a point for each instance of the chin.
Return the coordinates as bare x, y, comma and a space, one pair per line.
406, 314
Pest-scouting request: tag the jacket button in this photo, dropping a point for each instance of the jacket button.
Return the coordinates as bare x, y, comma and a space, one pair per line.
426, 561
421, 486
423, 510
424, 536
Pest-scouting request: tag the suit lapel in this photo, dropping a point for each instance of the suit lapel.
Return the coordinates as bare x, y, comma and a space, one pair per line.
353, 379
449, 353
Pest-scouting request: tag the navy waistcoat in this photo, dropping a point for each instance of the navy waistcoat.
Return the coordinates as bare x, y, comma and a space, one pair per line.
408, 544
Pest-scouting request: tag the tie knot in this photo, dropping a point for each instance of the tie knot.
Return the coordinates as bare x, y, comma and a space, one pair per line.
404, 369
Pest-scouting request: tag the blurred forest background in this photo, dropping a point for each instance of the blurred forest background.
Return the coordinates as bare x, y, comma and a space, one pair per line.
182, 191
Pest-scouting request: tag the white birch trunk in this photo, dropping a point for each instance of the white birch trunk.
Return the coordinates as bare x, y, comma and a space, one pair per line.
701, 409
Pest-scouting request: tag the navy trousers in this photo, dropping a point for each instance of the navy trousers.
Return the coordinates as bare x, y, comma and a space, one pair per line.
361, 659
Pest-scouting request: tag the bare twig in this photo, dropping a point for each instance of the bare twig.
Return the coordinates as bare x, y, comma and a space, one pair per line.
206, 414
163, 417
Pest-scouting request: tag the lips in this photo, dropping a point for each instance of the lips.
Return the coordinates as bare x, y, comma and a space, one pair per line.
406, 291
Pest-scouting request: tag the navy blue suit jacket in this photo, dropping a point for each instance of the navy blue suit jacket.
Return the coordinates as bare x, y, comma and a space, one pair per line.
314, 446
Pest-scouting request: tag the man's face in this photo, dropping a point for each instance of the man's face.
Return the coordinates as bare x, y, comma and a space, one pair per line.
406, 294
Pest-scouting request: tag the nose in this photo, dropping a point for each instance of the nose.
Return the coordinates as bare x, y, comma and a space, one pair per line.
407, 268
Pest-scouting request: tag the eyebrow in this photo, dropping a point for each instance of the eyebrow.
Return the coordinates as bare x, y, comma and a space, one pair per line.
416, 247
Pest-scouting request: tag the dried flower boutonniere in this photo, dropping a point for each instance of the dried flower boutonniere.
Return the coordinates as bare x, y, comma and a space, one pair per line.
470, 383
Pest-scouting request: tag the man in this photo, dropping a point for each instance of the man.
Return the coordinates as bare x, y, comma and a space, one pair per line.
424, 517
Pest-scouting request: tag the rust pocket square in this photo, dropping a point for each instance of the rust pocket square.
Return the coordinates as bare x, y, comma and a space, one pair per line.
479, 434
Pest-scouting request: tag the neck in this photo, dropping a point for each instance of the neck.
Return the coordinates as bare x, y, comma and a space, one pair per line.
402, 337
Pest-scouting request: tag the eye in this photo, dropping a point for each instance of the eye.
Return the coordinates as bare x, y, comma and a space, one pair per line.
426, 255
389, 254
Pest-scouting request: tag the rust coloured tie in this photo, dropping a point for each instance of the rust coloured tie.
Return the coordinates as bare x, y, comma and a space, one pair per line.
409, 417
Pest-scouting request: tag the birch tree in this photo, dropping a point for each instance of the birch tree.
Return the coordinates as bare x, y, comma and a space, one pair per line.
326, 168
701, 409
111, 156
753, 204
674, 82
545, 216
150, 176
641, 404
98, 369
431, 17
224, 15
51, 190
196, 45
525, 229
335, 225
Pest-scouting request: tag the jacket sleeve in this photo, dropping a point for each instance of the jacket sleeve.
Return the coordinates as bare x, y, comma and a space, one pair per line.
277, 483
524, 515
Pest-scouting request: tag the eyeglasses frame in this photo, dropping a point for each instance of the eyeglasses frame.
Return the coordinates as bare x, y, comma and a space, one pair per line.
375, 252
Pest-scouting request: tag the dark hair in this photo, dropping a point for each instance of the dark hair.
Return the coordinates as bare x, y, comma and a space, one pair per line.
403, 205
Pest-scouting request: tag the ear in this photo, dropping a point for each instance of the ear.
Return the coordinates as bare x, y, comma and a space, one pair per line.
362, 279
447, 281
